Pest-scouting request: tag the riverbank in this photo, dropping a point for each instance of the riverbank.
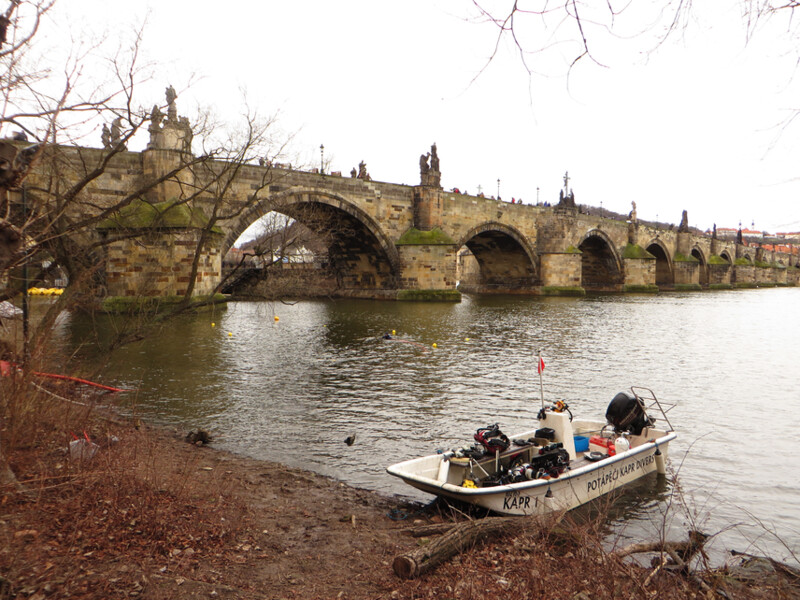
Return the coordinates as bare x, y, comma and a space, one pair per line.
152, 516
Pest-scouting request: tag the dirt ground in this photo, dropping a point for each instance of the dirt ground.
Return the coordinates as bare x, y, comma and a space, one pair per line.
188, 521
152, 516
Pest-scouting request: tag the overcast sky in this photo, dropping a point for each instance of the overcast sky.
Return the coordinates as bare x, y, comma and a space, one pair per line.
692, 125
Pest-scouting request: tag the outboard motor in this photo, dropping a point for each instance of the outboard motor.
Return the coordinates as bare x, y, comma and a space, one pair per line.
626, 414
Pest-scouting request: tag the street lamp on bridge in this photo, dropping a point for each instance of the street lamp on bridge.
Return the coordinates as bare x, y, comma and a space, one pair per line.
321, 159
498, 188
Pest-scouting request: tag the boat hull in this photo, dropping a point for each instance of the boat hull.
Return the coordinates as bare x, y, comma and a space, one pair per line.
531, 497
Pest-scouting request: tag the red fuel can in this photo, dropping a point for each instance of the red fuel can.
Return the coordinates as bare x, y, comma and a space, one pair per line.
606, 444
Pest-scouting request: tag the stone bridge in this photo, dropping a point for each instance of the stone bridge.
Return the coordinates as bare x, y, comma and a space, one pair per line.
394, 241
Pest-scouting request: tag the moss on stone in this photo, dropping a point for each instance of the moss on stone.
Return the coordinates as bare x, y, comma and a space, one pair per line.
761, 264
745, 285
170, 214
556, 290
743, 262
720, 286
429, 295
572, 250
683, 258
640, 289
133, 304
688, 287
716, 259
636, 251
416, 237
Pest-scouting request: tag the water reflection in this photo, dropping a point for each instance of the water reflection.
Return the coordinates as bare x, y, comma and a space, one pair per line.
291, 390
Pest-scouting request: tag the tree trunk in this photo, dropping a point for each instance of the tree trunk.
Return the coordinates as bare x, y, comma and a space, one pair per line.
459, 538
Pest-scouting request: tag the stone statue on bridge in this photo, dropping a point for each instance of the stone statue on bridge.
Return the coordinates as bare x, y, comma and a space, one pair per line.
684, 226
156, 137
423, 164
172, 109
566, 197
105, 137
172, 133
362, 171
116, 132
566, 200
430, 176
632, 215
186, 128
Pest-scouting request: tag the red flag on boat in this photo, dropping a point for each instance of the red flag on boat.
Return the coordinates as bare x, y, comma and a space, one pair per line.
541, 365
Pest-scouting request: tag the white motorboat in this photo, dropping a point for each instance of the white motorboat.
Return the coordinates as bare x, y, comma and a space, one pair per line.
562, 464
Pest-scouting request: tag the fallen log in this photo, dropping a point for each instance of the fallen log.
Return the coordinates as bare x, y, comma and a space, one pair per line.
460, 537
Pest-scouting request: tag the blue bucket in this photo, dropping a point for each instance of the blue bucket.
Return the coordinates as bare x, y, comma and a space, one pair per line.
581, 443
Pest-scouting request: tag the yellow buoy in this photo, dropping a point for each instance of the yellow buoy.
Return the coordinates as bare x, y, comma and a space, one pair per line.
276, 318
230, 334
466, 339
434, 344
213, 324
394, 332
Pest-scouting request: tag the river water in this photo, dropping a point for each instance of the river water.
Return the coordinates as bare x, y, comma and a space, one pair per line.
291, 388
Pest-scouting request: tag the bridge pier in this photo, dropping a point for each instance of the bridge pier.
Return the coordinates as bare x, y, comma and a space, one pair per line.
561, 273
686, 272
719, 273
639, 267
428, 272
151, 260
155, 242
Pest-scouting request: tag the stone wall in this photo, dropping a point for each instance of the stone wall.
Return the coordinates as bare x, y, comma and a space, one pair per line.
160, 265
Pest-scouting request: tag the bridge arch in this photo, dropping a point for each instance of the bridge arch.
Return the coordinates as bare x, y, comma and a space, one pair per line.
359, 252
698, 253
727, 256
504, 260
664, 272
601, 266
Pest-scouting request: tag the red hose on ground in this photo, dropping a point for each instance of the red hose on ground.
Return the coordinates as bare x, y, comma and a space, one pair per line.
79, 380
6, 370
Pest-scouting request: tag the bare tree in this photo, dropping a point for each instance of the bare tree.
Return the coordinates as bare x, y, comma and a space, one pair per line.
50, 204
535, 27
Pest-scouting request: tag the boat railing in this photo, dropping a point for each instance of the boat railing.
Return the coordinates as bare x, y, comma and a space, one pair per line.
648, 400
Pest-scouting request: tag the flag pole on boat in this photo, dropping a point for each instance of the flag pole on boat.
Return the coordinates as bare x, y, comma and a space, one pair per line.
540, 368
